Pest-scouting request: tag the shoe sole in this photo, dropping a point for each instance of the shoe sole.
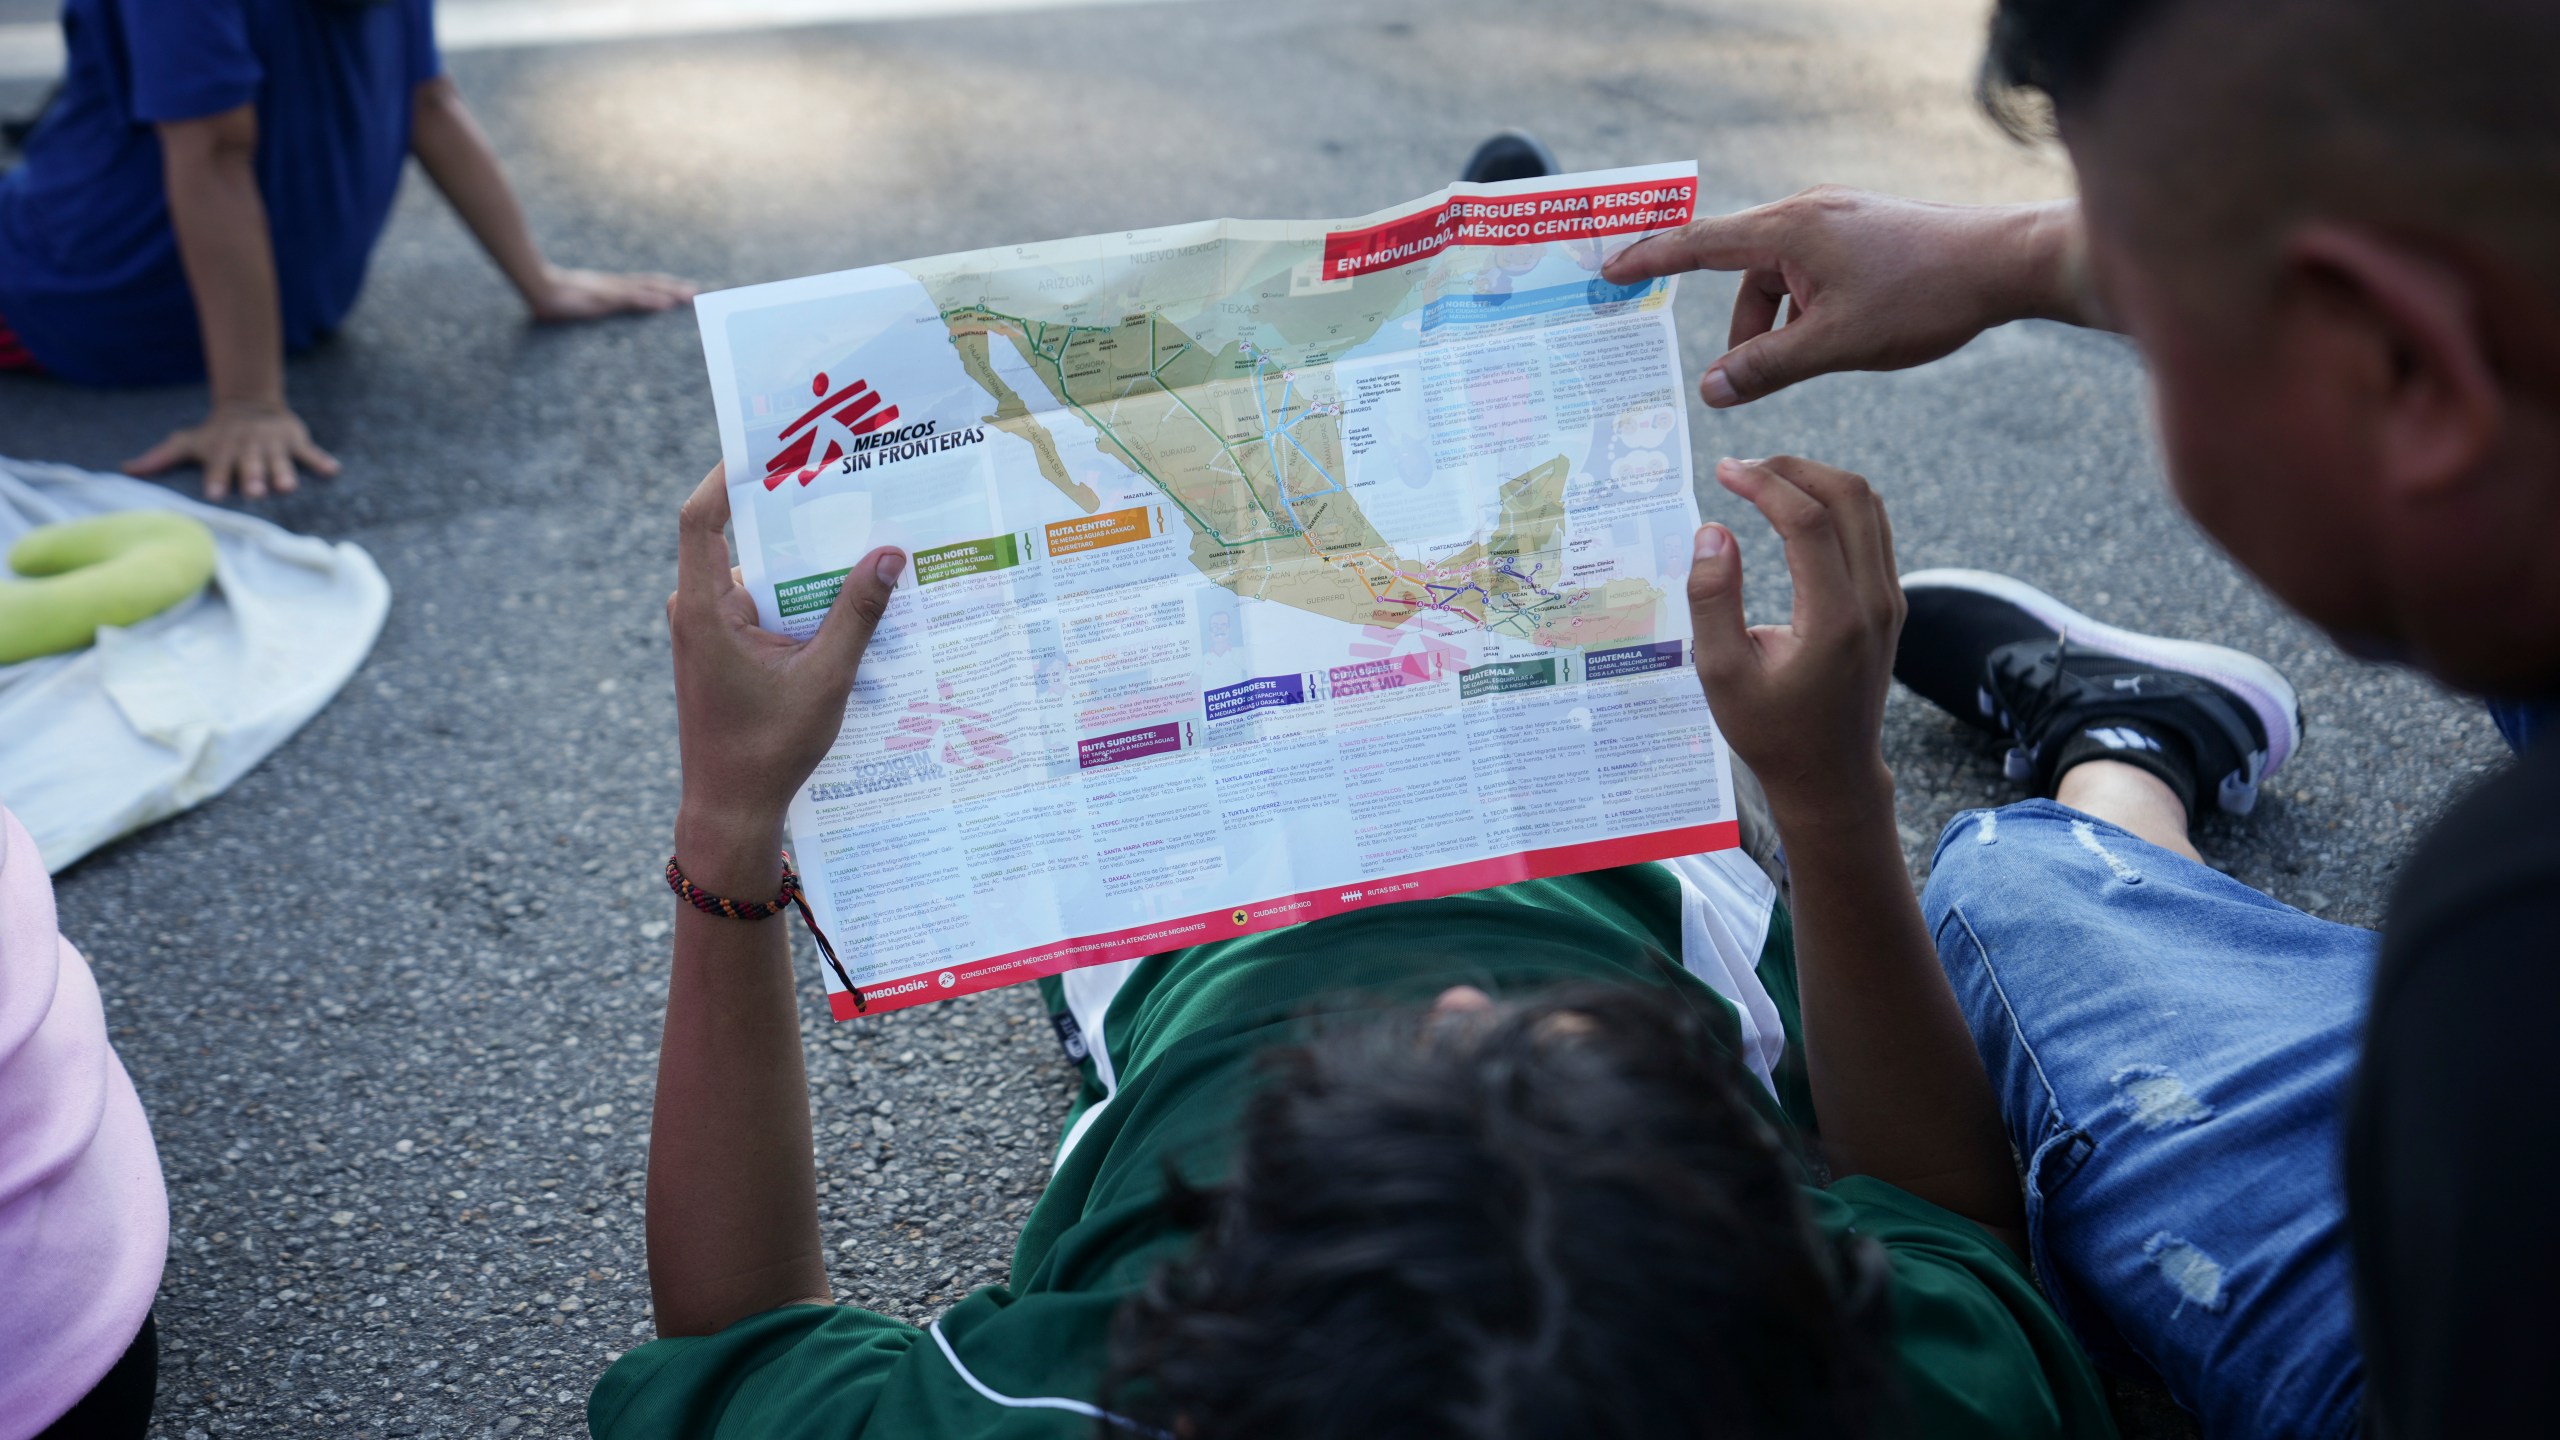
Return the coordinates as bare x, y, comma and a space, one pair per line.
2269, 695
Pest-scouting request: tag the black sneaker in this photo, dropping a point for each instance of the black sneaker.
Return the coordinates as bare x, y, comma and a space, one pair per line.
1511, 155
2007, 658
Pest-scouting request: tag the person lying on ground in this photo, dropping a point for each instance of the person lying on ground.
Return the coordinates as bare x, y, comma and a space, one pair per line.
1483, 1166
84, 1217
203, 194
2333, 229
2171, 1048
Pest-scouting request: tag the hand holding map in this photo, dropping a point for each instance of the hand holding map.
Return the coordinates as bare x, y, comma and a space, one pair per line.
1262, 571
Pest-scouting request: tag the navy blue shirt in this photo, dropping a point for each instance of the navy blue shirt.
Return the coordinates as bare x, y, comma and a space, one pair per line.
89, 271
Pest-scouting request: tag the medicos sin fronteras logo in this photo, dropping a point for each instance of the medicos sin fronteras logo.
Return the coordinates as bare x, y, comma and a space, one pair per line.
841, 418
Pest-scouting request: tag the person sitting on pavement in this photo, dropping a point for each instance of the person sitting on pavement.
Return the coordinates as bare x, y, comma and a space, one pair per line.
202, 195
1480, 1166
2333, 229
84, 1217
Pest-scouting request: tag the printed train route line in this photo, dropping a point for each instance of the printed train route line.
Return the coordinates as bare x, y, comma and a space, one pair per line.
1250, 451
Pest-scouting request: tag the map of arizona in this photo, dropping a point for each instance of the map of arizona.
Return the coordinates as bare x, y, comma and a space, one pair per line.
1260, 571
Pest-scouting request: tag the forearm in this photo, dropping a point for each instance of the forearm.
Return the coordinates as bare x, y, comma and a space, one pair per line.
1896, 1079
223, 244
733, 1203
457, 155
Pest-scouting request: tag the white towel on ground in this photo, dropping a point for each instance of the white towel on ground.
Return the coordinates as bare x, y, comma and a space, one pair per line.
163, 715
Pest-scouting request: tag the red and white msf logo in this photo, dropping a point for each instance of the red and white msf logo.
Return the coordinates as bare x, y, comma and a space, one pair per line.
851, 411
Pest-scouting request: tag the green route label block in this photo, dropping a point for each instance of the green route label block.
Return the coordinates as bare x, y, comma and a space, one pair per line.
809, 592
1504, 676
969, 557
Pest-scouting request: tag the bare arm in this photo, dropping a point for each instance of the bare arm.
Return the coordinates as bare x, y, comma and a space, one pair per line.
1870, 282
733, 1189
1895, 1075
209, 167
733, 1202
449, 142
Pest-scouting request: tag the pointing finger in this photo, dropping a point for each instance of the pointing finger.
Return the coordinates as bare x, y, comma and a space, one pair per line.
1742, 240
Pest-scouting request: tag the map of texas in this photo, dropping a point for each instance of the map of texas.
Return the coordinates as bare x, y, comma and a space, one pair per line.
1247, 443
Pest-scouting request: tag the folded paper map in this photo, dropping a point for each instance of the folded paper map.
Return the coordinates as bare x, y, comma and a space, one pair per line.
1262, 571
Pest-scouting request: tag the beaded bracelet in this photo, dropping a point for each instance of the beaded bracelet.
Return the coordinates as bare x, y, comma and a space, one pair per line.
792, 895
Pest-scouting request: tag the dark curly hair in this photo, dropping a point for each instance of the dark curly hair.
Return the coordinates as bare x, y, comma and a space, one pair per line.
1561, 1217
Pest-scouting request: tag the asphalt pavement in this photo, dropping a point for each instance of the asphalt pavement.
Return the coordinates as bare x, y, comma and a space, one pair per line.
393, 1001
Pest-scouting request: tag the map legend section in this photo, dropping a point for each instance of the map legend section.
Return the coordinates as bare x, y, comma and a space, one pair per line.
1074, 537
1130, 745
968, 557
1258, 694
1633, 660
1505, 676
810, 593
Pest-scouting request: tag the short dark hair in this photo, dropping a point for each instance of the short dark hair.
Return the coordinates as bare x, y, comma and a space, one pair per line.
1558, 1217
2053, 50
2438, 118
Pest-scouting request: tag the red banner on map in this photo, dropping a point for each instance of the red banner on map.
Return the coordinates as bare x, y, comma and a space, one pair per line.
1162, 935
1531, 219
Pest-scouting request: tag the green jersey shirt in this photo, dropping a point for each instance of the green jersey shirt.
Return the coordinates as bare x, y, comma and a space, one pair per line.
1172, 1043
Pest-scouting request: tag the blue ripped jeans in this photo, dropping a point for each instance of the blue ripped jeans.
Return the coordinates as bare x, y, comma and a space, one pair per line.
2171, 1051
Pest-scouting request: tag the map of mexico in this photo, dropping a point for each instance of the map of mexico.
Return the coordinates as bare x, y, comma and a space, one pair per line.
1252, 453
1262, 570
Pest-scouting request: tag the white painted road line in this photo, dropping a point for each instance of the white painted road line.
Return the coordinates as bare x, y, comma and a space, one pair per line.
34, 51
30, 52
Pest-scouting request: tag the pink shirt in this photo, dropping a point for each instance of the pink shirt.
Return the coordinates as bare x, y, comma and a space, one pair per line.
84, 1222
